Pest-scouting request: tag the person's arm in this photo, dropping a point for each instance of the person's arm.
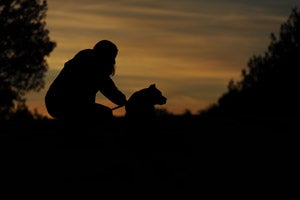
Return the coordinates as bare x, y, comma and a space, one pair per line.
109, 89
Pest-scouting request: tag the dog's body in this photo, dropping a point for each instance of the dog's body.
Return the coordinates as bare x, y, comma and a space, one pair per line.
141, 105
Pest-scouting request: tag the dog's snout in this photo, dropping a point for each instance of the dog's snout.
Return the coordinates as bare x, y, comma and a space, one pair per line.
163, 100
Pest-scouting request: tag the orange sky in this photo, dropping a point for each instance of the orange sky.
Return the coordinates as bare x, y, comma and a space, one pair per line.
189, 49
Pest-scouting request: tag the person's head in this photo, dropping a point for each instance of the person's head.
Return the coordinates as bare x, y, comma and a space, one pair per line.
106, 51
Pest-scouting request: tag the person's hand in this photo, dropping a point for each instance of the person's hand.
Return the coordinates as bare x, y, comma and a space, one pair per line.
123, 103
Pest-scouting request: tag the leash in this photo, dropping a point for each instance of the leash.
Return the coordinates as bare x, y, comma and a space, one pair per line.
117, 107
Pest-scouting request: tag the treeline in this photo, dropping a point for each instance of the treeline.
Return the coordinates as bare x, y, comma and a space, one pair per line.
269, 84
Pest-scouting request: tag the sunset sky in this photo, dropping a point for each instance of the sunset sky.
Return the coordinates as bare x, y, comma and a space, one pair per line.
189, 48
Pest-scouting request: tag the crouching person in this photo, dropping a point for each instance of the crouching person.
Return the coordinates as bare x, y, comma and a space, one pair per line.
72, 95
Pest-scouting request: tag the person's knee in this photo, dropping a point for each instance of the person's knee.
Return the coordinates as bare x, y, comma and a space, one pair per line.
107, 114
108, 111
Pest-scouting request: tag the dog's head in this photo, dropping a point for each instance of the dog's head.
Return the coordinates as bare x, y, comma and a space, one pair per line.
155, 96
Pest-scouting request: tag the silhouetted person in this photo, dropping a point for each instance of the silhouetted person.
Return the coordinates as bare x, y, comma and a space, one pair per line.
72, 95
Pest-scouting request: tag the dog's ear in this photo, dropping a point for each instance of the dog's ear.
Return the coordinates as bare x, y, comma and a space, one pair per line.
152, 86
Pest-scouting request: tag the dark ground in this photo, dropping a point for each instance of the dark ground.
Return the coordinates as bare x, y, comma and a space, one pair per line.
244, 154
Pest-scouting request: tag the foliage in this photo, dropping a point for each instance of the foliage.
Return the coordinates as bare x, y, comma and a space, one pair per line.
24, 43
269, 83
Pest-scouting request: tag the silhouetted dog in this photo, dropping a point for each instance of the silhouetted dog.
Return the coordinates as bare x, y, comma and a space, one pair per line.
141, 104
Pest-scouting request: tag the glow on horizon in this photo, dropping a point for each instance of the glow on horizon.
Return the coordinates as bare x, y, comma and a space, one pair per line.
190, 49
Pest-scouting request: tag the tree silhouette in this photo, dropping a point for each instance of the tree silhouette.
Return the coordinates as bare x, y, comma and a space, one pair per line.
24, 43
269, 84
